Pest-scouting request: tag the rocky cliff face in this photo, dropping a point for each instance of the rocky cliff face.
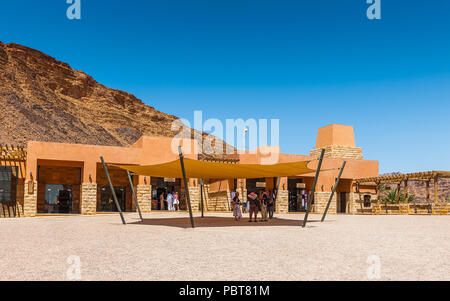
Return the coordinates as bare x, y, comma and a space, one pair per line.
46, 100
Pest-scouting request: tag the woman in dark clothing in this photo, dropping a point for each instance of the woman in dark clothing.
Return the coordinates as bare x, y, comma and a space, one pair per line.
271, 205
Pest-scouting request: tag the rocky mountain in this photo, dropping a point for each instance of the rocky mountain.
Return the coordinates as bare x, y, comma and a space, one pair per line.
46, 100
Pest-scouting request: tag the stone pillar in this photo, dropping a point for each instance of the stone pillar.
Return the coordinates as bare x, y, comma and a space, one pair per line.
321, 200
144, 197
242, 194
88, 198
241, 189
194, 194
30, 200
282, 204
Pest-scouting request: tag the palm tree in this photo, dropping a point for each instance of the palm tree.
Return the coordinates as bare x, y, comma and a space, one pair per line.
388, 198
393, 197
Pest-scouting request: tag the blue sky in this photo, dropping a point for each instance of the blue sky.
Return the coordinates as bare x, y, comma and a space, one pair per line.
308, 63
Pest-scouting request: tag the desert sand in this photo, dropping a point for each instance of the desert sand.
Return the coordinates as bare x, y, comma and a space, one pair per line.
164, 247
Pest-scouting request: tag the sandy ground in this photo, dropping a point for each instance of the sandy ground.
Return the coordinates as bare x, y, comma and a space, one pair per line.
165, 248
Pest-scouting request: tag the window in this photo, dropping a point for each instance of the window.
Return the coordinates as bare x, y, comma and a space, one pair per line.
8, 184
5, 184
367, 201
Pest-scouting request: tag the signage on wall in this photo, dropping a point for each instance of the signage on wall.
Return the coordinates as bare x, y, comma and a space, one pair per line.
169, 180
260, 184
301, 185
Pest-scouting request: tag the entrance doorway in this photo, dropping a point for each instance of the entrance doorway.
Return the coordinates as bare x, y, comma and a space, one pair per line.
161, 187
298, 195
256, 185
58, 199
342, 202
107, 203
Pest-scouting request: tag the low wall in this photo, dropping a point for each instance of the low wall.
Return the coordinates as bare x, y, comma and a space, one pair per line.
407, 209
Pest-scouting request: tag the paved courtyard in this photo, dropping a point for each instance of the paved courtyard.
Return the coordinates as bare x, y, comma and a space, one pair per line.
165, 248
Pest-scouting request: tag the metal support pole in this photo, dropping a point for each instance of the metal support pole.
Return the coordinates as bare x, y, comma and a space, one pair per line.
334, 191
311, 199
134, 195
201, 197
112, 191
186, 185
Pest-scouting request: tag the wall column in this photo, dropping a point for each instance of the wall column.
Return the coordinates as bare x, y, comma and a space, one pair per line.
89, 188
88, 198
30, 199
428, 192
241, 188
194, 194
282, 204
144, 194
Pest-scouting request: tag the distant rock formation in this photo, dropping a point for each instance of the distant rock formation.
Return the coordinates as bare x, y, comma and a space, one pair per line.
46, 100
43, 99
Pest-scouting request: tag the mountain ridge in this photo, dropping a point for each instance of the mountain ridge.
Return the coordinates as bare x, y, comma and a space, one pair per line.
44, 99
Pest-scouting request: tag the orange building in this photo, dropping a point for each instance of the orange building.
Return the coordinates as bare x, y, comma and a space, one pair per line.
60, 178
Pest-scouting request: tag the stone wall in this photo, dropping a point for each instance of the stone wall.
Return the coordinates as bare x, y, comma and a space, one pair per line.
321, 200
144, 197
356, 203
282, 204
194, 194
336, 151
30, 200
89, 198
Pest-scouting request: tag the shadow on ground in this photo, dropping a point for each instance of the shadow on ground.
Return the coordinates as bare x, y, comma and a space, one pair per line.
214, 221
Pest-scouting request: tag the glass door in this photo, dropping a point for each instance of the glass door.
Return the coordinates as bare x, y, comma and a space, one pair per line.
58, 198
107, 203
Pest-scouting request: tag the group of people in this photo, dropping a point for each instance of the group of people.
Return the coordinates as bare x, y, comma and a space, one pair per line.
172, 200
262, 202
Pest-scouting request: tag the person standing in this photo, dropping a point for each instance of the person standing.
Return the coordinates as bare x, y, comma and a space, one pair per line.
176, 202
236, 207
264, 203
170, 201
161, 201
271, 205
253, 203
